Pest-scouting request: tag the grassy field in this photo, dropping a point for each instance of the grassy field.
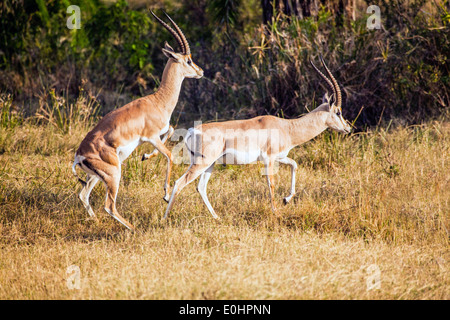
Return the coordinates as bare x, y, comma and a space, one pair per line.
370, 221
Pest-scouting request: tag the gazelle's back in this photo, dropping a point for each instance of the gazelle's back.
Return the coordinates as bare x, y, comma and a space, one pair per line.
240, 141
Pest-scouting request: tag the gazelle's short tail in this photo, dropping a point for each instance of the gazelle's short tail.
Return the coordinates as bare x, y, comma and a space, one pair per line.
77, 161
192, 142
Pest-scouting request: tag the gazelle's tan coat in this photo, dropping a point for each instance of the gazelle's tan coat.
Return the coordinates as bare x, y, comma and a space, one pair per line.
266, 138
117, 134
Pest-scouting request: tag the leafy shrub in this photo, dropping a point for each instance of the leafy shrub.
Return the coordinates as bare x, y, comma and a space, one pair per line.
400, 71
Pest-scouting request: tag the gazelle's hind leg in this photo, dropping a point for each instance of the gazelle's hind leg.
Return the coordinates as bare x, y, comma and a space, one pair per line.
112, 188
91, 181
204, 178
190, 175
110, 175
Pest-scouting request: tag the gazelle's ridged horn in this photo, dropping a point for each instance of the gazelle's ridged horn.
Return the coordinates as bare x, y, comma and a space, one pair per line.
173, 32
336, 86
187, 50
324, 77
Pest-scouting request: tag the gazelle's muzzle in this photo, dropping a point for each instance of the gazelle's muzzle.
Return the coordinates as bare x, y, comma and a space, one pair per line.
347, 128
199, 73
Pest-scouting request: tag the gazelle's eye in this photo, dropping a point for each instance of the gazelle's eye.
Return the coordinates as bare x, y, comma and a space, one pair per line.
338, 113
189, 61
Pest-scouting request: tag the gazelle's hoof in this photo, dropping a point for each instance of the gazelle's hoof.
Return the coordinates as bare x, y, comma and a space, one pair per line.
144, 157
166, 199
287, 199
163, 220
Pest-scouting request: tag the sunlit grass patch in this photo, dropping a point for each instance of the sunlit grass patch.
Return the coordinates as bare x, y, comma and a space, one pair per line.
376, 197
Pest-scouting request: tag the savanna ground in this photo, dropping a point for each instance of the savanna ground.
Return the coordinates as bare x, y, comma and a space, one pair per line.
370, 221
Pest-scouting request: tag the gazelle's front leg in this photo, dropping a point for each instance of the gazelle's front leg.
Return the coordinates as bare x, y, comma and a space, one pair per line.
293, 165
159, 145
155, 152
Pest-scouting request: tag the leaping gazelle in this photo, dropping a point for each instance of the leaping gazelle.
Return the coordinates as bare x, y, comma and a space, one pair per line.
146, 119
266, 138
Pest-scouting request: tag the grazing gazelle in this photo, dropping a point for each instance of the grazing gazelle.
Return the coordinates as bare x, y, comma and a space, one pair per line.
146, 119
266, 138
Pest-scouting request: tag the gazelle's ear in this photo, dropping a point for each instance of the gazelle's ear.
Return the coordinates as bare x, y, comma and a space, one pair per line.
168, 47
331, 102
326, 98
332, 98
170, 54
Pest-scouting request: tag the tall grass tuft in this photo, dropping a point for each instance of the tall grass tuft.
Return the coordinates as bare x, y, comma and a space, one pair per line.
9, 116
65, 115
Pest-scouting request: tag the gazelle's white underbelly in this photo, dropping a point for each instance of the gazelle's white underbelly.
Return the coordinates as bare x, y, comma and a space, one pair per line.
233, 156
283, 154
165, 129
124, 151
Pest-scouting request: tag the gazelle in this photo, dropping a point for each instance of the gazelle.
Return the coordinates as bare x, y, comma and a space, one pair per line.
266, 138
146, 119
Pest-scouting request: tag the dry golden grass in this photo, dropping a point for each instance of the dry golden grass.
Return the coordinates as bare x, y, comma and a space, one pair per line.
378, 200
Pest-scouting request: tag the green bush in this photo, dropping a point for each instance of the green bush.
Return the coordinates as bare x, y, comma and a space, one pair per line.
399, 72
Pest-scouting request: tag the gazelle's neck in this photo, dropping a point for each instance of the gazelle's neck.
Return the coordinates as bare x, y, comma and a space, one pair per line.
169, 89
307, 127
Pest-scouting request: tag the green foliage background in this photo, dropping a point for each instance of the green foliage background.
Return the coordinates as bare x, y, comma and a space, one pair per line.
400, 72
